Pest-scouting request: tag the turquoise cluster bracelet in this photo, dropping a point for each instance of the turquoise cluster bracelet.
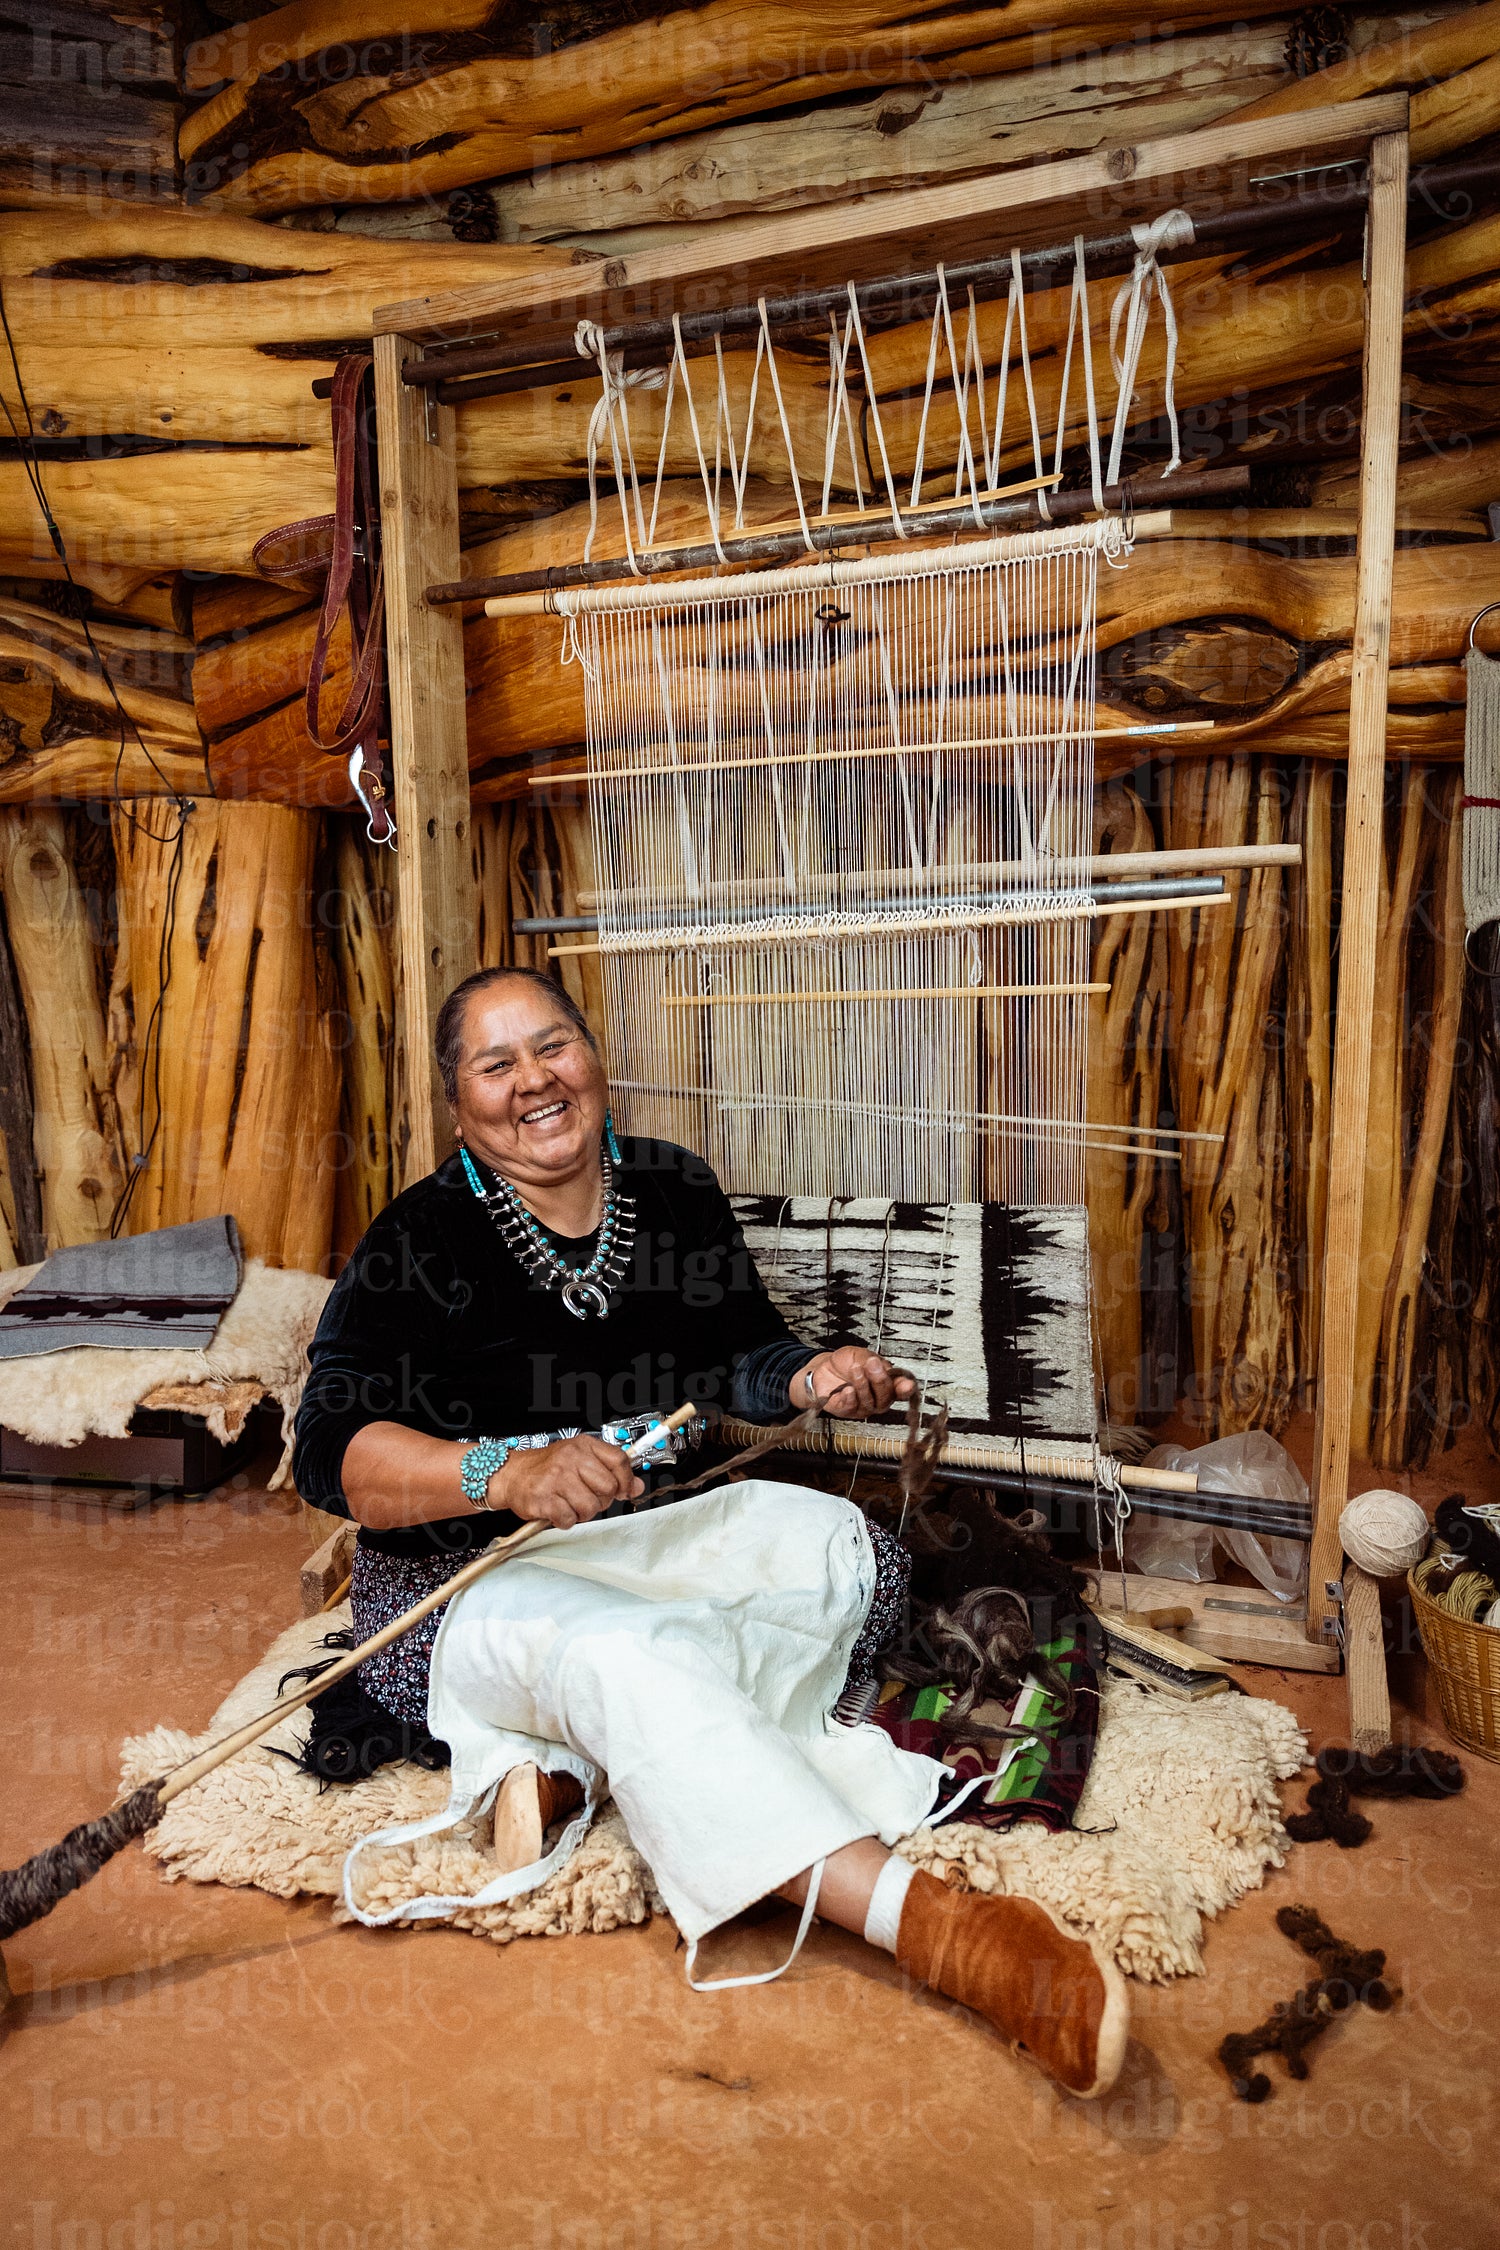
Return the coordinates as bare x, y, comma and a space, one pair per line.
480, 1461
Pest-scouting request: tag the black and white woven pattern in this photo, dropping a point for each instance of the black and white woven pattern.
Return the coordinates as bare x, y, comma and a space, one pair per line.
987, 1303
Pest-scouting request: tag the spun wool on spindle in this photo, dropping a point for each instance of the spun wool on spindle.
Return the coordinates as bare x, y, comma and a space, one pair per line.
1385, 1533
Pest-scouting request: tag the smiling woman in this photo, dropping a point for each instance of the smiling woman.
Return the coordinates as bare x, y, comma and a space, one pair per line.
511, 1323
503, 1331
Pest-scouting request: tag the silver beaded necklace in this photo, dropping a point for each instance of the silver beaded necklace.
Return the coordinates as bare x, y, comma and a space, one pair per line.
586, 1290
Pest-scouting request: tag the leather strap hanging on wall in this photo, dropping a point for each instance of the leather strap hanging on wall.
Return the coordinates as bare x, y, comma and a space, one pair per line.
342, 552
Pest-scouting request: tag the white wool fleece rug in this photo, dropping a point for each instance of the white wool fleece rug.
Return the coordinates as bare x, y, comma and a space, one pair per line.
1182, 1801
62, 1397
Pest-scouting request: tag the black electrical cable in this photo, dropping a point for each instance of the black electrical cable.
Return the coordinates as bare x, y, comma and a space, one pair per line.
150, 1045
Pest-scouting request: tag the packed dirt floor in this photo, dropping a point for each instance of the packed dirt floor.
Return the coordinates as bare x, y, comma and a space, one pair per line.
192, 2068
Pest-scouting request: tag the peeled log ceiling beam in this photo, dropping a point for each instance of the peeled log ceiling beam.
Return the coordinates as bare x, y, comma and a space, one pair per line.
1456, 48
900, 137
200, 326
903, 137
453, 93
198, 358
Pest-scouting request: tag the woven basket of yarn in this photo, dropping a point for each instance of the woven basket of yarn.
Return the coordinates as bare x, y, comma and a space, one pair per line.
1465, 1660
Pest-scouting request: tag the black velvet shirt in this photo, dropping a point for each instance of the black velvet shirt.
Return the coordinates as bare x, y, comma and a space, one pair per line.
435, 1324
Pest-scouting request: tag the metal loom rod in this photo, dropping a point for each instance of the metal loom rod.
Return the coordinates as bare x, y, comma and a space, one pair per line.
518, 589
1227, 1511
960, 1452
893, 992
943, 902
682, 768
1227, 857
999, 919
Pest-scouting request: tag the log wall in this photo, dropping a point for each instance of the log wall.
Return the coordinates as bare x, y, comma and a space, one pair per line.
202, 1020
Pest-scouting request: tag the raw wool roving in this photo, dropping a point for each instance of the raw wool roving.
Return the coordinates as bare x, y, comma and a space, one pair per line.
60, 1398
1184, 1794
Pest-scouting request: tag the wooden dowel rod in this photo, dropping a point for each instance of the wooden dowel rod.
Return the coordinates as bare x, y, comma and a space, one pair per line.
193, 1769
1105, 898
1013, 519
850, 519
1002, 919
1210, 858
683, 767
893, 992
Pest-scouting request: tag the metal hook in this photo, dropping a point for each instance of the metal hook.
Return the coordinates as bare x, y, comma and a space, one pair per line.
1473, 629
374, 835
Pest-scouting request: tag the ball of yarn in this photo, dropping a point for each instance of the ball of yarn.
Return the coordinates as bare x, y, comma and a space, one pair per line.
1385, 1533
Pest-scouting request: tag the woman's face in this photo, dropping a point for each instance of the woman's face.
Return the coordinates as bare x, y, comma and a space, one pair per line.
531, 1090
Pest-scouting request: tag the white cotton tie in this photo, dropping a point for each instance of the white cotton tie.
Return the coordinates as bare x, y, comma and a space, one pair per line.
883, 1919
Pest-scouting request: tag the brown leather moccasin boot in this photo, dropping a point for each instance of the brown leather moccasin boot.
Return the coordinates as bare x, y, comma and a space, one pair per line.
1045, 1990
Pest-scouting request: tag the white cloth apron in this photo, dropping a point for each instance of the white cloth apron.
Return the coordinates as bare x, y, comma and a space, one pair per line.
686, 1659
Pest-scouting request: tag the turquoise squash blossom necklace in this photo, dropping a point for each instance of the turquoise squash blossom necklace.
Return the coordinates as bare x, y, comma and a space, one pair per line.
586, 1290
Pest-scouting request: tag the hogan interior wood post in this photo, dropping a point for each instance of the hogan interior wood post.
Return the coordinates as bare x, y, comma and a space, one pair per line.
435, 905
1363, 844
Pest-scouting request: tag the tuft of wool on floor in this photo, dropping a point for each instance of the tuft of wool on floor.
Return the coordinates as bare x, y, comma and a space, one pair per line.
1180, 1818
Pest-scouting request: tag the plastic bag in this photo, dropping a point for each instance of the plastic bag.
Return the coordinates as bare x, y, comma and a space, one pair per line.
1165, 1547
1251, 1463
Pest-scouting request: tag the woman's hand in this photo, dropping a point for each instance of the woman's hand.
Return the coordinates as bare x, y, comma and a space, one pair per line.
563, 1484
848, 1382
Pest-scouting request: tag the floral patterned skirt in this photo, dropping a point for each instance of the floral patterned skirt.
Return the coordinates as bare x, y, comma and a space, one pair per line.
385, 1585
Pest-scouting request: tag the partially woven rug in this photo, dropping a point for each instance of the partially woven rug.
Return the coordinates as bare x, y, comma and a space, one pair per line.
1180, 1818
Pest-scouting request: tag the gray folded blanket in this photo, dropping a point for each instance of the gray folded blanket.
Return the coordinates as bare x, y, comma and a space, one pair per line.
166, 1290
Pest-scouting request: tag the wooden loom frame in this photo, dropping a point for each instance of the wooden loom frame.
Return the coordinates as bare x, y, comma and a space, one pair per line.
911, 232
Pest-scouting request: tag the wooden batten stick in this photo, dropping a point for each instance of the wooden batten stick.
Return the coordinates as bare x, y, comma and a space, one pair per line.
682, 768
1005, 918
1363, 842
895, 992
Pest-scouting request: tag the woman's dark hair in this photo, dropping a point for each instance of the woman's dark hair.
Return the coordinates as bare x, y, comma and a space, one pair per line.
448, 1037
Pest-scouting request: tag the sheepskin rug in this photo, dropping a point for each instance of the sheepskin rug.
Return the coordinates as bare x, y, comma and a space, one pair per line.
1182, 1804
60, 1398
